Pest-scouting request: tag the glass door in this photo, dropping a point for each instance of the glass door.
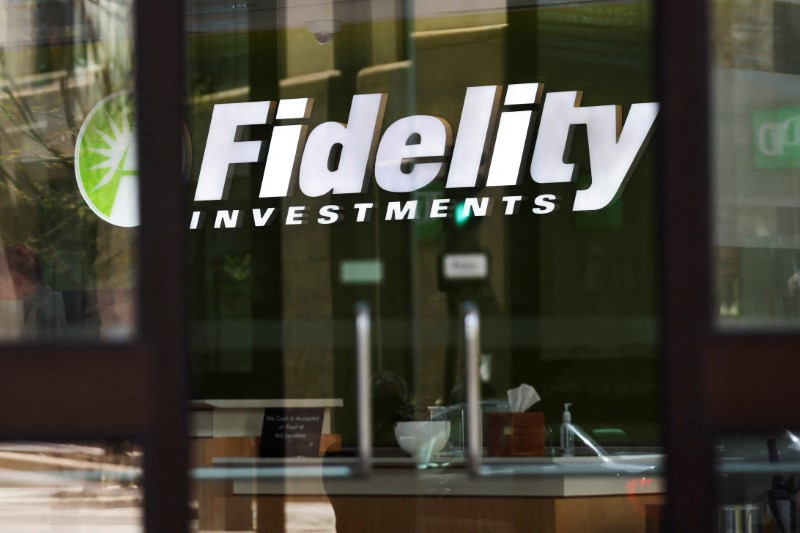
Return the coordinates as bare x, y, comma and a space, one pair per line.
424, 265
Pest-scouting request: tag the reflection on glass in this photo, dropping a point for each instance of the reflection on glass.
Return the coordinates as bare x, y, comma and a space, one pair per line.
757, 485
567, 298
80, 488
68, 181
755, 123
310, 192
43, 313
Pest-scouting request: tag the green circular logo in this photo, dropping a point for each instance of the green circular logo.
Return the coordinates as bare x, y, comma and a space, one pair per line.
106, 166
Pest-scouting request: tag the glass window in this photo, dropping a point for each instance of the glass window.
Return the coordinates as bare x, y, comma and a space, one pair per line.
69, 190
755, 120
755, 487
411, 160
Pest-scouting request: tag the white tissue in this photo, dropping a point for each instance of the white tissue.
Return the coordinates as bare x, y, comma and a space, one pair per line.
521, 398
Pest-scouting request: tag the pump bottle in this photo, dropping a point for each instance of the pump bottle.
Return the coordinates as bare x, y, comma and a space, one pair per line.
567, 436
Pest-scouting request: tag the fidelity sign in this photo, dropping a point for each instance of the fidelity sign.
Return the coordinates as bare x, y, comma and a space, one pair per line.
490, 145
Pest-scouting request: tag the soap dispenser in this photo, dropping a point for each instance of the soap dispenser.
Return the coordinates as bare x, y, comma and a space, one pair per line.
567, 436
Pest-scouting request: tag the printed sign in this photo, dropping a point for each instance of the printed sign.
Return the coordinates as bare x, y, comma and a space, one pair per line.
463, 269
291, 432
465, 266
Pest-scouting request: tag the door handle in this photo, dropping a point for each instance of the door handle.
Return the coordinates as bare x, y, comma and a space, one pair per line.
364, 388
472, 347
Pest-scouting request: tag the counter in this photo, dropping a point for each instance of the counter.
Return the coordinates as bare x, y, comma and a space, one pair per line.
542, 495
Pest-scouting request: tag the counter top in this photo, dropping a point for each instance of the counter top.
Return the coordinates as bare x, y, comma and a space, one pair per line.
244, 418
201, 405
539, 477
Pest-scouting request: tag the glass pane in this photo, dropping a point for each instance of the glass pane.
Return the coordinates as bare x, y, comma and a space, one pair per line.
411, 158
68, 182
754, 122
756, 489
64, 488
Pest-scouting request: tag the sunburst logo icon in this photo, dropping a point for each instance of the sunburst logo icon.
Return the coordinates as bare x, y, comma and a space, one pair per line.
106, 166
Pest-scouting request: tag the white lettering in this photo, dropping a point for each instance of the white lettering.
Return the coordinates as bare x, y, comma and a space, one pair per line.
294, 108
223, 149
286, 140
261, 219
336, 155
612, 153
329, 214
439, 207
512, 137
197, 217
773, 137
296, 215
279, 171
338, 158
395, 212
364, 213
409, 138
472, 141
545, 203
512, 204
770, 139
227, 219
554, 140
523, 93
435, 208
472, 206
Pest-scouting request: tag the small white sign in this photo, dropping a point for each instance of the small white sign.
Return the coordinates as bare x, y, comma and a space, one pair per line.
466, 266
358, 271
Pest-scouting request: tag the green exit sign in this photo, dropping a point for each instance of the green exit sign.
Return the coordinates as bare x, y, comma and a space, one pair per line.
776, 138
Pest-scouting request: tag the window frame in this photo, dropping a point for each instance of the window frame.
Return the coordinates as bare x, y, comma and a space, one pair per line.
715, 381
134, 389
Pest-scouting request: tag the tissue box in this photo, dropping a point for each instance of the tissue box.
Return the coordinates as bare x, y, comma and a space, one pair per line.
515, 434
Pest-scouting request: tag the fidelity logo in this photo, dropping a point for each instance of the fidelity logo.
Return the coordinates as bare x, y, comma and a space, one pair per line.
341, 159
105, 161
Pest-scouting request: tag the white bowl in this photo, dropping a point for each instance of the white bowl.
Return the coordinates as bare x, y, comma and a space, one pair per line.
421, 439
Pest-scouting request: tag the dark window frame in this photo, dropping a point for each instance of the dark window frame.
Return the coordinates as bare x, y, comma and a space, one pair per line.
716, 381
78, 391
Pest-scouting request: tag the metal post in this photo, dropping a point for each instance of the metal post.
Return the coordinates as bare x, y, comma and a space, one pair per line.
472, 342
363, 371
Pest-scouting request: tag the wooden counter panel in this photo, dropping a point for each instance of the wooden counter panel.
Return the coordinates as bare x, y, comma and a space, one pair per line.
604, 514
393, 514
611, 514
445, 514
217, 510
